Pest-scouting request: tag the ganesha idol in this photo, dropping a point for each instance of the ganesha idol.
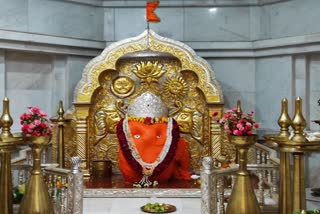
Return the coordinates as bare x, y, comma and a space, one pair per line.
150, 145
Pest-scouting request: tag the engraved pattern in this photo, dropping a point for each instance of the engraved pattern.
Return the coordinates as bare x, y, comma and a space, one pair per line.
105, 61
149, 71
175, 87
215, 145
147, 192
208, 187
108, 57
70, 193
147, 105
75, 189
81, 136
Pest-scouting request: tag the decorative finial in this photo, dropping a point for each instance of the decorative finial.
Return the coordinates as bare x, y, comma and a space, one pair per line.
239, 110
298, 122
284, 120
207, 164
75, 163
60, 111
6, 119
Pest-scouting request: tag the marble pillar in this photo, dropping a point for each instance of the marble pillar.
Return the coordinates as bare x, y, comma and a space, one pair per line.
301, 84
2, 77
58, 85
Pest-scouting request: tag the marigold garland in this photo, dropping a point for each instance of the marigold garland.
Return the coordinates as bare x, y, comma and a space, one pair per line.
148, 120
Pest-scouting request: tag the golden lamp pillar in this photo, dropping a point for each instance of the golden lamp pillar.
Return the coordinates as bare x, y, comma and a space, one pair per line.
243, 199
8, 143
297, 145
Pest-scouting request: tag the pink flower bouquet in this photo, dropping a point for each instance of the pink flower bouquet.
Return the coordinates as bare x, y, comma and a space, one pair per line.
235, 123
35, 123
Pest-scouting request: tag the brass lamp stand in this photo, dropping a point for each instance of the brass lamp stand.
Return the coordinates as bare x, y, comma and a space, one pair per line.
36, 199
242, 199
8, 143
297, 146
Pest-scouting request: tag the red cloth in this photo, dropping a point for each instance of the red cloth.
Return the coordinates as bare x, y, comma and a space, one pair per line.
149, 146
150, 8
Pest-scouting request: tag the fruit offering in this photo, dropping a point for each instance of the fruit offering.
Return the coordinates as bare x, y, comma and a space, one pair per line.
158, 208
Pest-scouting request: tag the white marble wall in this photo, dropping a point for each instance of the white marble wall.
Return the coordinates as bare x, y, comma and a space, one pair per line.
190, 24
216, 21
314, 93
129, 22
14, 15
28, 83
75, 66
59, 74
237, 79
217, 24
60, 18
273, 78
192, 20
292, 18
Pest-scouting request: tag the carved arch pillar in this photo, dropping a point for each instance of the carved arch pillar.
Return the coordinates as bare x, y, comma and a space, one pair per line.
81, 135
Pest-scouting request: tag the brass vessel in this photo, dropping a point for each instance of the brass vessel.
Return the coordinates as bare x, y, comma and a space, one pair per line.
242, 199
285, 204
36, 199
101, 168
296, 146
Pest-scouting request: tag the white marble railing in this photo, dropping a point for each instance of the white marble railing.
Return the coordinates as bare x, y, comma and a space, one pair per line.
65, 188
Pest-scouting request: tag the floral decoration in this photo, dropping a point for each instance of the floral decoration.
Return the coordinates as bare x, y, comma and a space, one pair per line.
35, 123
236, 123
149, 120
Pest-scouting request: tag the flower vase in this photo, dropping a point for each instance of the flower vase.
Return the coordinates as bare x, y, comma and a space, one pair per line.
243, 199
36, 199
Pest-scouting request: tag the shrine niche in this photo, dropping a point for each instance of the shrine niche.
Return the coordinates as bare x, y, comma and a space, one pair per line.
124, 71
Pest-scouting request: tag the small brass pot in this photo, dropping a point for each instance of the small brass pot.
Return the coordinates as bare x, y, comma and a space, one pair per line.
101, 168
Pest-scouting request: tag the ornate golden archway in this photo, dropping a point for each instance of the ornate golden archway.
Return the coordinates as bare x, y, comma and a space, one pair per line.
124, 70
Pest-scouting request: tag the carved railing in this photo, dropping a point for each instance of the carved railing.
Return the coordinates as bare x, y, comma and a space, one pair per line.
217, 184
66, 188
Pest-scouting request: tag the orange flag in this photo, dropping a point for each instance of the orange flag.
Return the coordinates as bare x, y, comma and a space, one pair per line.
150, 8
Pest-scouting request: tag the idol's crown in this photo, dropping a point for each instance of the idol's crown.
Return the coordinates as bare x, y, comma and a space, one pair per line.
147, 105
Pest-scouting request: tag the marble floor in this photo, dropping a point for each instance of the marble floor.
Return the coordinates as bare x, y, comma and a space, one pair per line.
111, 195
114, 196
133, 205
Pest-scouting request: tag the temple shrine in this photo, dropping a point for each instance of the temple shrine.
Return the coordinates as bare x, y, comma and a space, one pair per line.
189, 107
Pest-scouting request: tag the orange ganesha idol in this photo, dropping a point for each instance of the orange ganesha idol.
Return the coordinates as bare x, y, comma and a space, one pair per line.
150, 145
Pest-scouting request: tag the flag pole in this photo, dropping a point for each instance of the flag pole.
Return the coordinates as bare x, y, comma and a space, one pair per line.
151, 5
148, 31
